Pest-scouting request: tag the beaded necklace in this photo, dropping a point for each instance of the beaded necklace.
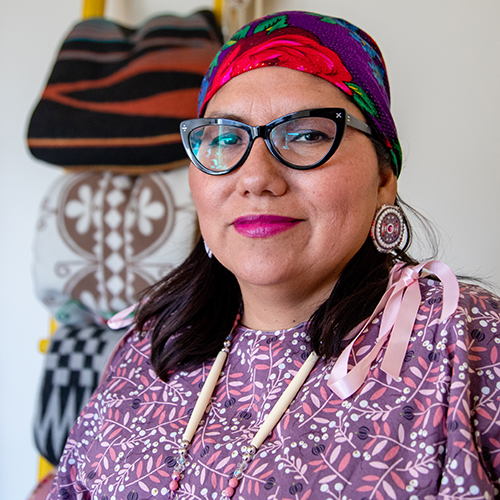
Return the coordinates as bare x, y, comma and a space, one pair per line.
268, 425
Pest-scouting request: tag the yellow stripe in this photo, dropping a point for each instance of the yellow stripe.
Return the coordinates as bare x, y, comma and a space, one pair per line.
44, 468
92, 8
218, 10
112, 142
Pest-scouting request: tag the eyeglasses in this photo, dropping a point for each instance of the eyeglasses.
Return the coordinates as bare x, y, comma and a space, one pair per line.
301, 140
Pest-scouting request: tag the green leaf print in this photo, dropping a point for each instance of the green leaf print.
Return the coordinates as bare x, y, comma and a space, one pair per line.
272, 24
326, 19
362, 100
242, 33
214, 63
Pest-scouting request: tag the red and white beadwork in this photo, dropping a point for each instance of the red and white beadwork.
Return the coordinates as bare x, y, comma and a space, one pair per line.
388, 228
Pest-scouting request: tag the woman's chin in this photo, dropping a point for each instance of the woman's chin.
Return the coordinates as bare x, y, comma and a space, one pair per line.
260, 273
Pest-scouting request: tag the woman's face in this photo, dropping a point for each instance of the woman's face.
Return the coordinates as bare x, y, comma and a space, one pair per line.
328, 210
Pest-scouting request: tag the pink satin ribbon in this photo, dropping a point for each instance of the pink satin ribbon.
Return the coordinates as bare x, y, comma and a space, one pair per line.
400, 303
123, 318
119, 320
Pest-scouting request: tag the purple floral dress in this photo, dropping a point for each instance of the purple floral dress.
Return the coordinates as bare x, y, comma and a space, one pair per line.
433, 433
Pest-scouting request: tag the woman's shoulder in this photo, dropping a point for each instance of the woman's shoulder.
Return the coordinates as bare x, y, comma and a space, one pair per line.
473, 300
133, 342
472, 330
478, 296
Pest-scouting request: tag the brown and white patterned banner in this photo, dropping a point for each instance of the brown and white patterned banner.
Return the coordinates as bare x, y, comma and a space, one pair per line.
103, 238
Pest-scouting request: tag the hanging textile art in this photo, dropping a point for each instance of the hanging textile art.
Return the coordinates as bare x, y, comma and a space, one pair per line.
116, 95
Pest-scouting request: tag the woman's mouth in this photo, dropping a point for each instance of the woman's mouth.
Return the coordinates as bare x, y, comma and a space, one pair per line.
263, 226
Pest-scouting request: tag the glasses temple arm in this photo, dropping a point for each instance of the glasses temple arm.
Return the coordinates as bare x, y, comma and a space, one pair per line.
356, 123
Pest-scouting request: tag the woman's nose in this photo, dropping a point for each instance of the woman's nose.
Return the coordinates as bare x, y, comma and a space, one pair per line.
262, 174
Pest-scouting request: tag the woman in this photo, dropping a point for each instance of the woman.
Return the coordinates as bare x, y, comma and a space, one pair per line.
343, 369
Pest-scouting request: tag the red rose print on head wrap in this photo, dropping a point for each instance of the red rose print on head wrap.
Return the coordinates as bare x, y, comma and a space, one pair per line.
289, 50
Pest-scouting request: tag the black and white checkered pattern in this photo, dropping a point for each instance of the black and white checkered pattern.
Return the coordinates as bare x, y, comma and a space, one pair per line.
74, 363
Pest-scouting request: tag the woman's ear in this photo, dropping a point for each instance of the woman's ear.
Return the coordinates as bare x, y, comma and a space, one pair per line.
388, 187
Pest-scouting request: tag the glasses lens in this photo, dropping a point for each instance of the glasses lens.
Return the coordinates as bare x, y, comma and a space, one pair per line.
304, 141
218, 147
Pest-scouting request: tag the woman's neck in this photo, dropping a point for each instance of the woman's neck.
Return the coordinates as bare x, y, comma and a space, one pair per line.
274, 309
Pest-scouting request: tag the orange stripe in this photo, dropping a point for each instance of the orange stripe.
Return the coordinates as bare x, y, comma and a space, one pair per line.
176, 60
176, 104
112, 142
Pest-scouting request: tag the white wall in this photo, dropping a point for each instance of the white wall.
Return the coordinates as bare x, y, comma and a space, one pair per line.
443, 65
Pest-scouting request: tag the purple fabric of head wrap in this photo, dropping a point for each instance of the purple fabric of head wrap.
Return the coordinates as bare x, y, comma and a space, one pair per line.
324, 46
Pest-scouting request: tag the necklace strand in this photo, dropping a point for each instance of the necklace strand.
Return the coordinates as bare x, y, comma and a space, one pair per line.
266, 428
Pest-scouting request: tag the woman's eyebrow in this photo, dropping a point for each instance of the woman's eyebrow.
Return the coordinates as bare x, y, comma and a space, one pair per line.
226, 116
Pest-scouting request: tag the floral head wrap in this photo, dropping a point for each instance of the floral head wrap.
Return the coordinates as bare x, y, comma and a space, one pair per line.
324, 46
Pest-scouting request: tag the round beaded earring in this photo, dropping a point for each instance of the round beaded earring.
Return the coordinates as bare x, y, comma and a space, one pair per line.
388, 228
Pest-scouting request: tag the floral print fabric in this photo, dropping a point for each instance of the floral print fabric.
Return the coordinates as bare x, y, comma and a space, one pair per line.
324, 46
433, 433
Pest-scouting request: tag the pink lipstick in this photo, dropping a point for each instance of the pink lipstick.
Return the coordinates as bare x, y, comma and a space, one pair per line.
263, 226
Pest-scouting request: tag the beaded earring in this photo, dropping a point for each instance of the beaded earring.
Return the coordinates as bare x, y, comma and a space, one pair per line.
388, 228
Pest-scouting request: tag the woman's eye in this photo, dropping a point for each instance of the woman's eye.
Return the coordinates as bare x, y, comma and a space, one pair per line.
308, 136
225, 140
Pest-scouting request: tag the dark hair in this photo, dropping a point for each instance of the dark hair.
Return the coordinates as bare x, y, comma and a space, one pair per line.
194, 307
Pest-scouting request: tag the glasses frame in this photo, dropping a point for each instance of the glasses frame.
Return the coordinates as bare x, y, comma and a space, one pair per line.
340, 116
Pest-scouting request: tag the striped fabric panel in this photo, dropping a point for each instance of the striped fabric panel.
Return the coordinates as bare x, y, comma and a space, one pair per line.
116, 96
